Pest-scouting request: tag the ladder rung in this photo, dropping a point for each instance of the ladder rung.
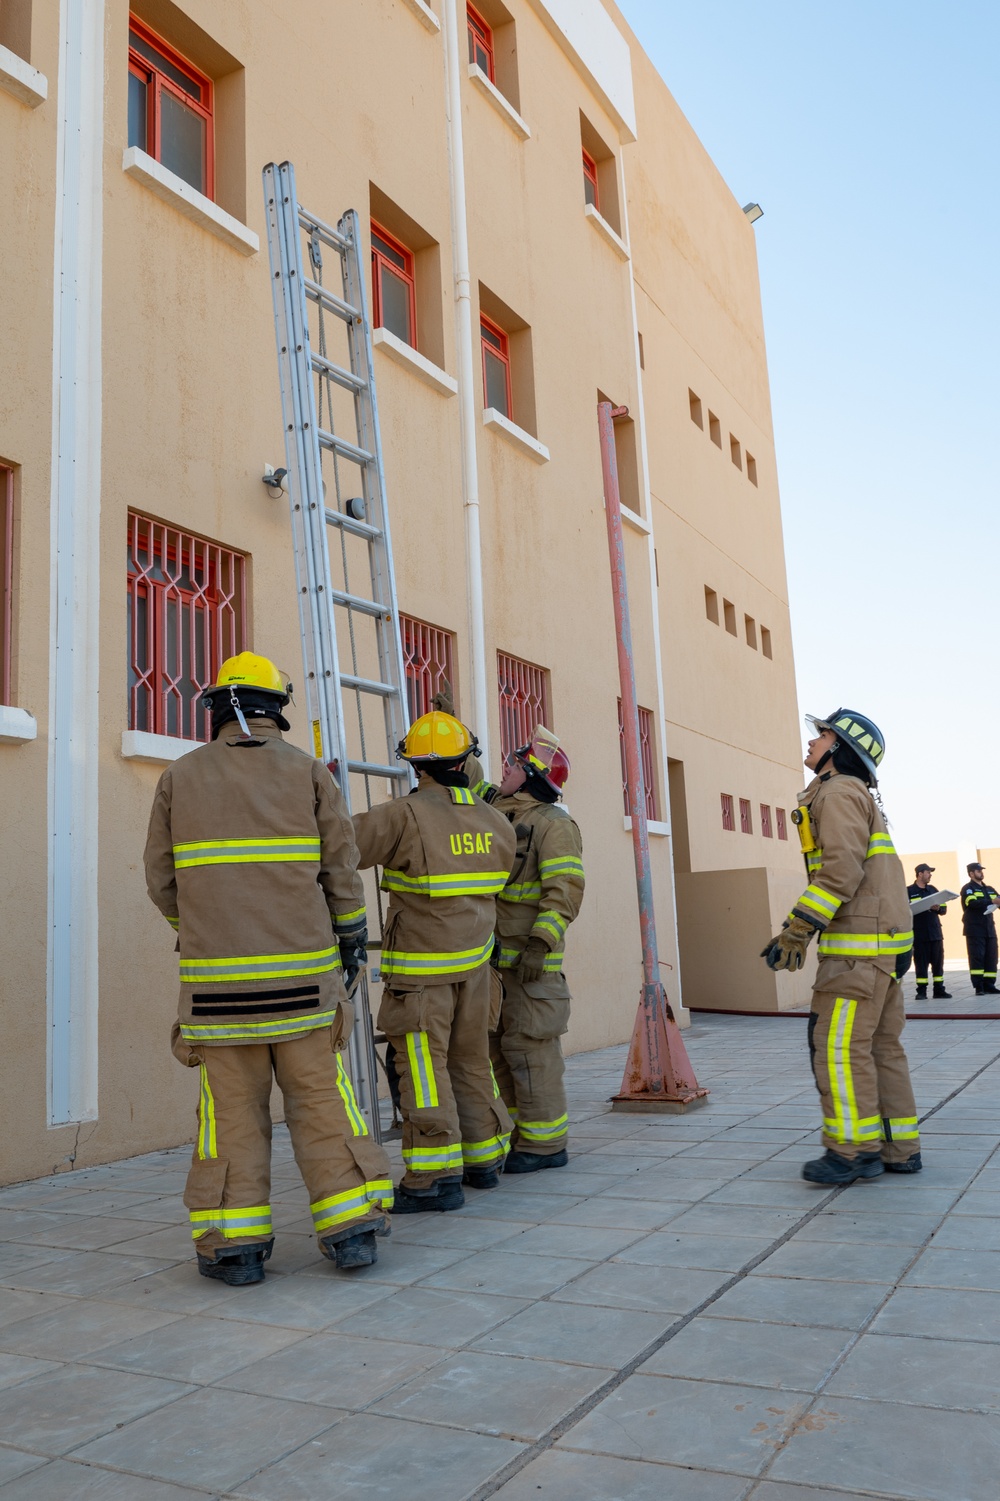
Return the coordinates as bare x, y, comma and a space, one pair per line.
328, 300
345, 378
345, 449
372, 769
329, 236
349, 524
368, 685
363, 606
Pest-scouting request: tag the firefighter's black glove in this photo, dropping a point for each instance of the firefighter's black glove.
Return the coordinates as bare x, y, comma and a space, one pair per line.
353, 954
532, 965
788, 949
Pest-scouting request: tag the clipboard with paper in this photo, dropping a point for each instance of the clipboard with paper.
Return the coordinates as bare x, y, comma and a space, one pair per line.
936, 899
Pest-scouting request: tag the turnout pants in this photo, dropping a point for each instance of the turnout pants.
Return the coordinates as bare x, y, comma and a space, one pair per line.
862, 1074
229, 1185
929, 954
528, 1064
981, 945
453, 1116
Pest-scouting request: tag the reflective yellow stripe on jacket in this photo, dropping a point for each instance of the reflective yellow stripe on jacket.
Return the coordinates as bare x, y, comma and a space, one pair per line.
551, 925
865, 945
396, 962
880, 844
251, 967
457, 883
522, 891
561, 865
510, 958
245, 851
819, 903
285, 1026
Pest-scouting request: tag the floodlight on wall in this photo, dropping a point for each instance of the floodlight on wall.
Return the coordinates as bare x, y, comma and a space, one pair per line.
753, 212
276, 481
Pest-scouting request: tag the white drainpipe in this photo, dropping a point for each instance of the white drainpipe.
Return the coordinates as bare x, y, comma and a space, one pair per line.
466, 361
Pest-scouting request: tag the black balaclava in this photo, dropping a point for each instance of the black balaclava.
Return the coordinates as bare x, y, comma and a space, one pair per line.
539, 787
255, 705
849, 764
446, 773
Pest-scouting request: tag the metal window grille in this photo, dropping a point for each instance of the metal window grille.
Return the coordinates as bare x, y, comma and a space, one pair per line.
591, 192
428, 660
765, 821
647, 742
6, 580
186, 615
480, 42
746, 817
170, 108
779, 818
728, 813
524, 702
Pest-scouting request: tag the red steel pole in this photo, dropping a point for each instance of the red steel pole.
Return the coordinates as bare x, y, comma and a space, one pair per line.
658, 1069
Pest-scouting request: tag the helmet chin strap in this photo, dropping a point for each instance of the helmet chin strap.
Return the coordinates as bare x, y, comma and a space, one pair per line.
234, 701
826, 756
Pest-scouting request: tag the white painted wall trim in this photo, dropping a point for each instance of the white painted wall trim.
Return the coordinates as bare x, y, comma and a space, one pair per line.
140, 745
22, 80
606, 232
635, 521
424, 14
188, 201
654, 826
502, 105
17, 725
598, 51
411, 359
520, 439
72, 957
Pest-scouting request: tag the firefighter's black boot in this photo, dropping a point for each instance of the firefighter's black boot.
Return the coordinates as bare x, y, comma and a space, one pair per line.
533, 1162
831, 1169
977, 986
908, 1165
940, 994
990, 988
238, 1266
921, 994
481, 1177
446, 1194
358, 1249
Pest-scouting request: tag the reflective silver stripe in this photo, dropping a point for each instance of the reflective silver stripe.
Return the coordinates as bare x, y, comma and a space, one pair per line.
457, 883
864, 945
245, 851
286, 1026
397, 962
561, 865
258, 967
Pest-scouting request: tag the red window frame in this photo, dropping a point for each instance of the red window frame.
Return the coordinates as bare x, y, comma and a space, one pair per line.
6, 580
405, 273
782, 826
765, 821
647, 743
746, 816
157, 79
186, 615
728, 813
480, 41
428, 662
523, 690
590, 177
493, 339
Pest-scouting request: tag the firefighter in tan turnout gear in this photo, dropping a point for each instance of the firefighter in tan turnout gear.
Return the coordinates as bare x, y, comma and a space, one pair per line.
250, 856
856, 902
444, 856
541, 899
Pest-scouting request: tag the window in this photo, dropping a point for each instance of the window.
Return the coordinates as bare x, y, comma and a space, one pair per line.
428, 660
169, 109
765, 821
6, 580
729, 613
734, 451
694, 406
751, 468
728, 813
711, 605
496, 367
524, 702
647, 741
746, 817
750, 628
715, 429
394, 303
480, 43
186, 615
591, 192
765, 640
779, 818
15, 29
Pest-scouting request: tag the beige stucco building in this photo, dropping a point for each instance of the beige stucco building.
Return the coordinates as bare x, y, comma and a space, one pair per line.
605, 257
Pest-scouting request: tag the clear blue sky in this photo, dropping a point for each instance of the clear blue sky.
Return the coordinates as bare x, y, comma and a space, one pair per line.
870, 135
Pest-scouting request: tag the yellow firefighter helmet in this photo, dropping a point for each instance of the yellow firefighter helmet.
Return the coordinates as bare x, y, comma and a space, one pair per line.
435, 737
248, 670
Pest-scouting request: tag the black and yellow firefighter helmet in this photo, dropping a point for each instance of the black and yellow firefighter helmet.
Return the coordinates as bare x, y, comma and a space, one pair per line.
859, 733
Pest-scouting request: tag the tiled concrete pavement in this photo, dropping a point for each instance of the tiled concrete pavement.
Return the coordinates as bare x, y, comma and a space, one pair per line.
675, 1315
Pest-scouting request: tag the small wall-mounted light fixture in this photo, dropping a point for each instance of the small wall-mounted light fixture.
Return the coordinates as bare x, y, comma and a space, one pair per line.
276, 481
753, 212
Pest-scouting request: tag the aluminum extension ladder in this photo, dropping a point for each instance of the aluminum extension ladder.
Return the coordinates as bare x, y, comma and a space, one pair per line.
327, 389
